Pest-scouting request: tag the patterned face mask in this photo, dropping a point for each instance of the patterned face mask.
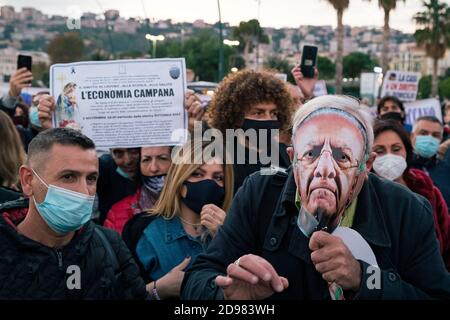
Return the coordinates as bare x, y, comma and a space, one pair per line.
154, 183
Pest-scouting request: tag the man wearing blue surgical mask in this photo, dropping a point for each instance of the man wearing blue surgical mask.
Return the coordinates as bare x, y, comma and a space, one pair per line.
64, 254
426, 137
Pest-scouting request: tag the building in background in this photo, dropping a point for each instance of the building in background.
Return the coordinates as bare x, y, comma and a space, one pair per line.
8, 60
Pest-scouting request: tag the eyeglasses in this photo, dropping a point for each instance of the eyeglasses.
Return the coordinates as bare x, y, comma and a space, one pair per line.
340, 157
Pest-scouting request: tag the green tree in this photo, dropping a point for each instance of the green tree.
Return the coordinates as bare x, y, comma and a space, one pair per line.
281, 65
434, 35
200, 52
249, 34
40, 74
444, 88
66, 47
424, 90
357, 62
327, 69
387, 6
447, 73
340, 6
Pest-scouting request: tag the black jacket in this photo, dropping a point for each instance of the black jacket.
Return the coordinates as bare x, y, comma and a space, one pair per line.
7, 194
397, 224
30, 270
438, 170
242, 171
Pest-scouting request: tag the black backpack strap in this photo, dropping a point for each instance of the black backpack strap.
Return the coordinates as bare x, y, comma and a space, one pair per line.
131, 235
109, 250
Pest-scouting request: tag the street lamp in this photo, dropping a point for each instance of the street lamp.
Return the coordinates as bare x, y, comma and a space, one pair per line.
154, 39
220, 44
231, 43
379, 80
378, 70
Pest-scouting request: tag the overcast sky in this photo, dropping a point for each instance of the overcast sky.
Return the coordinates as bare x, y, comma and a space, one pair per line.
273, 13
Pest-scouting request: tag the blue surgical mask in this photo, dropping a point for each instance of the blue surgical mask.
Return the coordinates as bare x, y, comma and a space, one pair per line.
34, 117
154, 183
64, 210
120, 171
426, 146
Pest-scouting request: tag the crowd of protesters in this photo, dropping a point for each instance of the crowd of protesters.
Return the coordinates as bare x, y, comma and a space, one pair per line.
163, 222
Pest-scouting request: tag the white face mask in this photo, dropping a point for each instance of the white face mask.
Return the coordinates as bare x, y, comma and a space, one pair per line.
389, 166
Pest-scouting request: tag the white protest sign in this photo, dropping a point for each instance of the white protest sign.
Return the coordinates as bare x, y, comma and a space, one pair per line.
419, 108
122, 103
320, 88
400, 84
357, 245
367, 87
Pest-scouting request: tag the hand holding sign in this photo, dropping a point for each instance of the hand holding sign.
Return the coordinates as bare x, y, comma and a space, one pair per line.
194, 109
334, 261
46, 107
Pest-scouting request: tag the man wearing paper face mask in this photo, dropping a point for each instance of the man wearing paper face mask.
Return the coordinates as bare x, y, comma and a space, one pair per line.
154, 165
426, 137
54, 238
266, 248
394, 155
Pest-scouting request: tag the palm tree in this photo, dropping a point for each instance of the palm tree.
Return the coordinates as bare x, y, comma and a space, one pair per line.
339, 6
249, 34
434, 36
387, 6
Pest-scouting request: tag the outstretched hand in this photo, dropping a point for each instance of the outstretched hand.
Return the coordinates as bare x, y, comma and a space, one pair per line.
251, 278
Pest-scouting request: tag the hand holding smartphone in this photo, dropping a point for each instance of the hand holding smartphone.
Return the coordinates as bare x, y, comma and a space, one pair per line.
308, 61
24, 61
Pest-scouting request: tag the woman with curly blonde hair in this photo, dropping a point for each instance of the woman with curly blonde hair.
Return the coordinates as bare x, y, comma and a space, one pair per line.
252, 100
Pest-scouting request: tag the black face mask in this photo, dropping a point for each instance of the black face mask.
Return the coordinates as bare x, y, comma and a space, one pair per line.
396, 116
262, 125
202, 193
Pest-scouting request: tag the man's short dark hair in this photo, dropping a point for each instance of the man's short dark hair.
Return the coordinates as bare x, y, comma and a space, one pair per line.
390, 98
45, 140
429, 118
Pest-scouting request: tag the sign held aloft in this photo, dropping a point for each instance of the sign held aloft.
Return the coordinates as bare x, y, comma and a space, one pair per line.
400, 84
122, 103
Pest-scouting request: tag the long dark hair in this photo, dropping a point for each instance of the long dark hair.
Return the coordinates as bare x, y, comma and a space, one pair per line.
381, 126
